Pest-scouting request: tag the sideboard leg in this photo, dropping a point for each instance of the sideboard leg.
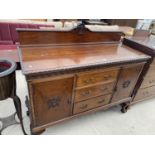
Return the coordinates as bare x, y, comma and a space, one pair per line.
17, 104
125, 107
38, 132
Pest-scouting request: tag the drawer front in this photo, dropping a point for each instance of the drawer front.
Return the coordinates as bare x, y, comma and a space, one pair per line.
151, 71
51, 99
148, 81
89, 92
91, 103
127, 81
153, 62
144, 93
95, 77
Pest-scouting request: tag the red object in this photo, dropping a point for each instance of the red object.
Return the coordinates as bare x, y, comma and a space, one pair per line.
9, 38
8, 47
6, 42
8, 33
4, 65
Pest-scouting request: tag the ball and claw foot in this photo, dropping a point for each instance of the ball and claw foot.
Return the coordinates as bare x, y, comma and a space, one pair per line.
124, 108
38, 132
27, 113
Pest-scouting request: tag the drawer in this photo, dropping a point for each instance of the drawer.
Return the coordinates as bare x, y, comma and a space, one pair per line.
144, 93
153, 62
151, 71
89, 92
148, 81
91, 103
85, 79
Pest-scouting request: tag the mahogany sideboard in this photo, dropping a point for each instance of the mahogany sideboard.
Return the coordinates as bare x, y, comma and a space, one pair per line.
72, 73
146, 45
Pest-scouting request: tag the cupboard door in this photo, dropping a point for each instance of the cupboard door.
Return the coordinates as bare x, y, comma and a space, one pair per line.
51, 99
126, 82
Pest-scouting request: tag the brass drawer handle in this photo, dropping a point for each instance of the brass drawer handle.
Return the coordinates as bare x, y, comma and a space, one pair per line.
86, 93
145, 93
53, 102
151, 81
102, 101
104, 89
89, 80
84, 106
69, 101
126, 84
107, 77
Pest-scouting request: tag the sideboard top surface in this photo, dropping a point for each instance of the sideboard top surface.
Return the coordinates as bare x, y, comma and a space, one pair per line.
43, 58
44, 51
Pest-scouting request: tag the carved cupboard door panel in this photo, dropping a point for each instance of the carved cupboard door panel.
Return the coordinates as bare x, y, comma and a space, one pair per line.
126, 82
51, 99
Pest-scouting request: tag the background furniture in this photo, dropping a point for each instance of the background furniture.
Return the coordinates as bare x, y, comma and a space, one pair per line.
152, 27
147, 85
128, 31
9, 37
122, 22
141, 33
72, 73
10, 52
8, 90
8, 34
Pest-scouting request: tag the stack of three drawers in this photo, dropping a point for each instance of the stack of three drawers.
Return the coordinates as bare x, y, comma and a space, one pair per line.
94, 89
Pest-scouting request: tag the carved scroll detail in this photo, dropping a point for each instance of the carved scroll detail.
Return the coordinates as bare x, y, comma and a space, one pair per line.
126, 83
53, 102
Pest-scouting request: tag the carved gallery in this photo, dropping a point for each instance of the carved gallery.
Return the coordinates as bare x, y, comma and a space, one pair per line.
80, 76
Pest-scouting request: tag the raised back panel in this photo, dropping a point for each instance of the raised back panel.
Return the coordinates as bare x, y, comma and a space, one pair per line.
30, 36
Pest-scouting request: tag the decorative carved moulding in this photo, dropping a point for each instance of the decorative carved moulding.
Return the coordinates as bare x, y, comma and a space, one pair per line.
75, 36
